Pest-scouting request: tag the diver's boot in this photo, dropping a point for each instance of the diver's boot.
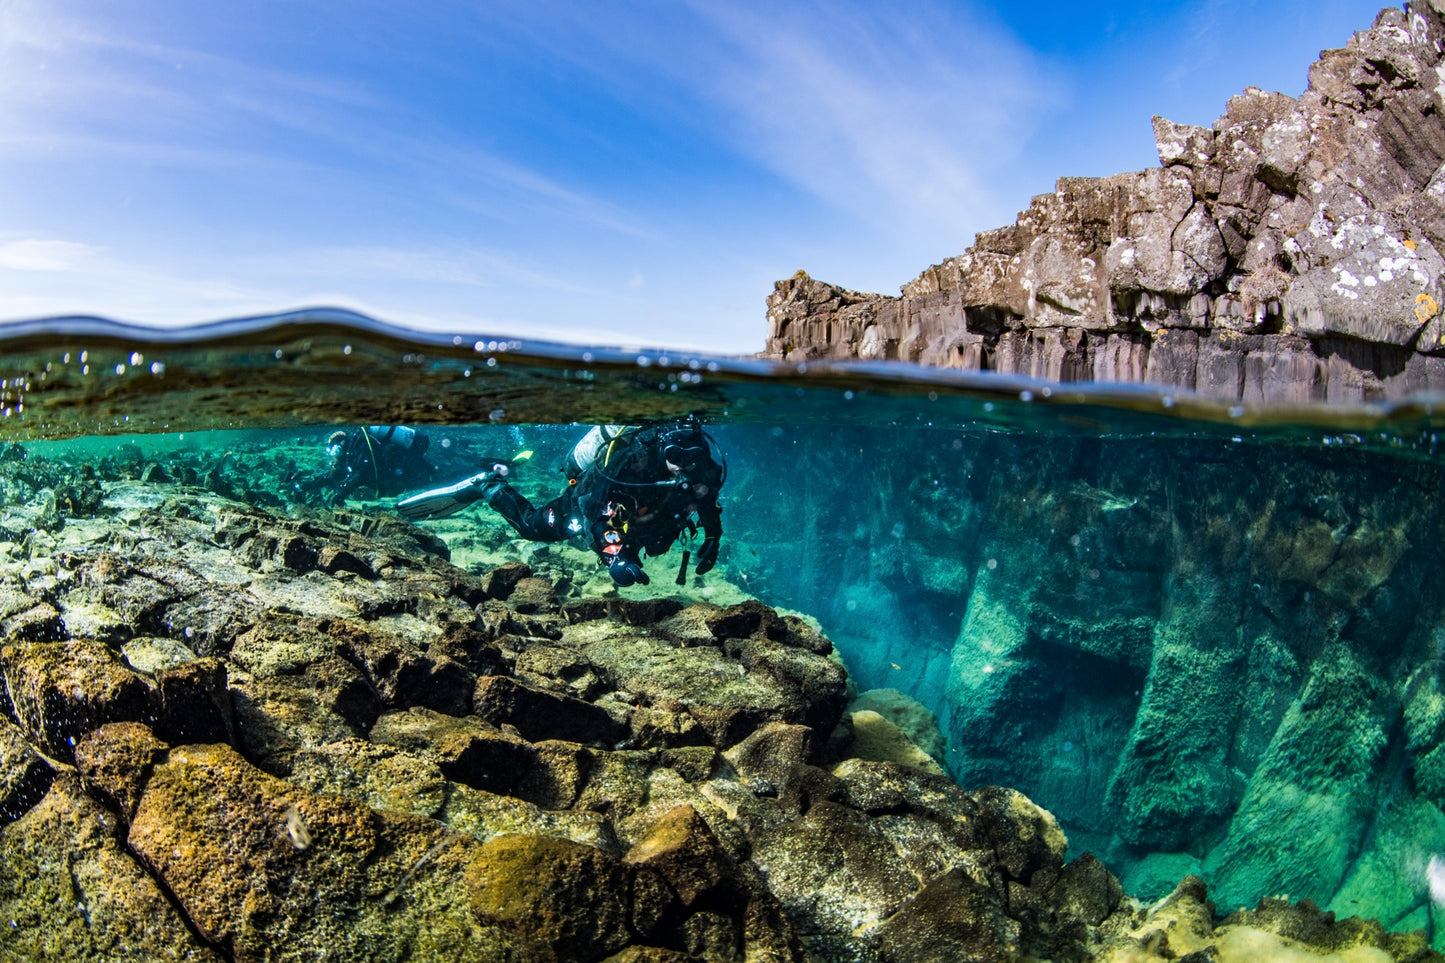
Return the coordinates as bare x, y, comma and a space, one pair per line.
441, 502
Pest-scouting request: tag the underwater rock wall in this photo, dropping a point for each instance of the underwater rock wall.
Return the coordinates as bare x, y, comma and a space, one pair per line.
1200, 655
1292, 252
232, 732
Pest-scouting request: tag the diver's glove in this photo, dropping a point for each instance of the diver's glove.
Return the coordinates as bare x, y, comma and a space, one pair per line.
626, 572
706, 556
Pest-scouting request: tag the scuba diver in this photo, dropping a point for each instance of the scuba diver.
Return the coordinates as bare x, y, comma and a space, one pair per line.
389, 458
630, 490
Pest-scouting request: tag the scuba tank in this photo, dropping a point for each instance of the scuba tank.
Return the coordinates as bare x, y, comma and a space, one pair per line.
398, 435
593, 445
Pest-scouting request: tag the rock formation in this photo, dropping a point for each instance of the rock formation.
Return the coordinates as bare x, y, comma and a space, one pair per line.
1202, 656
228, 733
1292, 252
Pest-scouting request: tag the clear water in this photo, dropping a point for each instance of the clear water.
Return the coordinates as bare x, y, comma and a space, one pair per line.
1209, 639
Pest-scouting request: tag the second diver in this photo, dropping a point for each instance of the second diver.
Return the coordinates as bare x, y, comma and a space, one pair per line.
630, 490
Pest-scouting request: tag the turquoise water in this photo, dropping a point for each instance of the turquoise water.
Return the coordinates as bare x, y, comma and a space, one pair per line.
1207, 638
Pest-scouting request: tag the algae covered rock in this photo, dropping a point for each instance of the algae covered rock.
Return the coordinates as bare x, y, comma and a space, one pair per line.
1183, 926
61, 690
557, 899
306, 874
393, 759
69, 890
24, 775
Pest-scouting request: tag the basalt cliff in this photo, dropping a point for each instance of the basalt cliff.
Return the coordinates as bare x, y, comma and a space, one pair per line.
1292, 252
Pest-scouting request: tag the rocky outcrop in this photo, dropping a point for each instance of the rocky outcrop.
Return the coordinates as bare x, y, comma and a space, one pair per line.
1292, 252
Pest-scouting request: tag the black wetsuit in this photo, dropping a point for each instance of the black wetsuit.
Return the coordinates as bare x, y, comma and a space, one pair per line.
628, 501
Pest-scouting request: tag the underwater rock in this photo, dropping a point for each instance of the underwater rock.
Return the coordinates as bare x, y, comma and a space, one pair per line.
1183, 926
310, 874
1291, 252
61, 690
915, 720
195, 702
1316, 782
69, 890
115, 761
536, 714
404, 765
556, 899
875, 737
24, 775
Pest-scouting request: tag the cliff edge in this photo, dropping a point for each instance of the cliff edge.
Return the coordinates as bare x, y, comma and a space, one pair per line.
1292, 252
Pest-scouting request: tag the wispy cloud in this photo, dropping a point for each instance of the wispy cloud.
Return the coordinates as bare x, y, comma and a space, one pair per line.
917, 106
905, 123
35, 254
71, 85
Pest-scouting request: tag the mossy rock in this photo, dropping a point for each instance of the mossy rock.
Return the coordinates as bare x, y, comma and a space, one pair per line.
564, 900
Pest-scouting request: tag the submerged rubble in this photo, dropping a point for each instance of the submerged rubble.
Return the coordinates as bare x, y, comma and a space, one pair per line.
234, 732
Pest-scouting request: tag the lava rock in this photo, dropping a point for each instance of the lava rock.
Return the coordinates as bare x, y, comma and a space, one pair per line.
62, 690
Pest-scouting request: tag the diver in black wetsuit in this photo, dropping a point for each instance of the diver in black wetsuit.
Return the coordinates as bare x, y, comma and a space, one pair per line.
388, 458
630, 490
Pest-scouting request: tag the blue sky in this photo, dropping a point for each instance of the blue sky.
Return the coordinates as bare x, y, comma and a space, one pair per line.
632, 173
